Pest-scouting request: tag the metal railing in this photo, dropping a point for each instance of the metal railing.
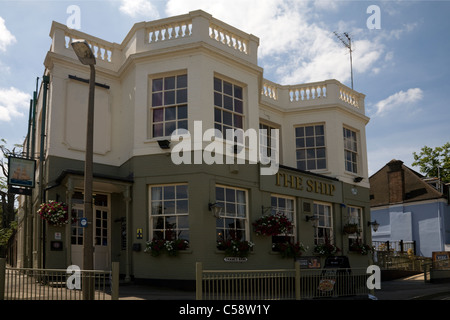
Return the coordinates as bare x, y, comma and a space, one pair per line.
57, 284
280, 284
395, 246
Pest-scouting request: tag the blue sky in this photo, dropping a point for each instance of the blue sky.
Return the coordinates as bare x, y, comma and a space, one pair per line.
402, 67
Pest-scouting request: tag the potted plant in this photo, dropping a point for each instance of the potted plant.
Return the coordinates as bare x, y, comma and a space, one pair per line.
272, 225
361, 248
156, 247
350, 228
54, 212
326, 249
235, 247
289, 249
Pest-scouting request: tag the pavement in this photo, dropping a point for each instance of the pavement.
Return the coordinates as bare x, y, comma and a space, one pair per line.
410, 288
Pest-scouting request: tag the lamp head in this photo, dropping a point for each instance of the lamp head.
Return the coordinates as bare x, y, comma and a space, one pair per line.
83, 52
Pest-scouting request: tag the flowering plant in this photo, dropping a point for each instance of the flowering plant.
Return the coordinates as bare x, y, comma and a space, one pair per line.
157, 246
350, 228
326, 249
56, 213
289, 249
361, 248
273, 225
235, 247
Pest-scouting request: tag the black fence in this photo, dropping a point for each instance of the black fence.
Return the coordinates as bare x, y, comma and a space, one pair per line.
400, 246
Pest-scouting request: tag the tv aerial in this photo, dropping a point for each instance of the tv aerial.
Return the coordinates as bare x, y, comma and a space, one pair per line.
348, 44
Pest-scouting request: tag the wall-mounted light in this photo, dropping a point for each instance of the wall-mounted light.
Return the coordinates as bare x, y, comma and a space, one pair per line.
216, 209
164, 144
374, 225
357, 179
312, 219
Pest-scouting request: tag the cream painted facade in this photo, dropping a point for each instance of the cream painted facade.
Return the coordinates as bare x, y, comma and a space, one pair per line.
202, 48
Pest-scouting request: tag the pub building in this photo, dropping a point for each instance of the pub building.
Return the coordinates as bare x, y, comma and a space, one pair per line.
170, 74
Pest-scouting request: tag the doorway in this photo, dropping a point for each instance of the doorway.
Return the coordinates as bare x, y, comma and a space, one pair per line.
101, 231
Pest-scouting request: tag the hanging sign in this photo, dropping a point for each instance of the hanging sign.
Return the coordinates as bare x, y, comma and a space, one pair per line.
21, 172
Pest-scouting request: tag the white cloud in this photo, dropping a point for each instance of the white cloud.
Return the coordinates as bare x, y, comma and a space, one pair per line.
6, 37
399, 99
295, 48
141, 8
12, 103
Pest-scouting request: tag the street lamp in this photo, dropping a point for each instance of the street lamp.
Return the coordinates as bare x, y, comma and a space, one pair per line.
86, 57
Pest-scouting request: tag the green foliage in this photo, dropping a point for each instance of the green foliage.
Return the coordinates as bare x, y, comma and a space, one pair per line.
429, 160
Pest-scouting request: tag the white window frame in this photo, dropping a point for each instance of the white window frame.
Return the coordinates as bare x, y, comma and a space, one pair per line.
153, 215
225, 215
164, 107
305, 148
322, 224
355, 217
219, 125
351, 147
293, 212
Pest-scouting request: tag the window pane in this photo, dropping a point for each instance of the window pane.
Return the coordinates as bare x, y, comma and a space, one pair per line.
238, 121
227, 118
228, 103
238, 92
182, 112
169, 83
217, 84
182, 96
217, 99
183, 124
309, 131
157, 85
182, 81
170, 127
238, 106
157, 99
158, 115
299, 132
227, 88
220, 194
171, 113
158, 130
319, 130
169, 97
217, 115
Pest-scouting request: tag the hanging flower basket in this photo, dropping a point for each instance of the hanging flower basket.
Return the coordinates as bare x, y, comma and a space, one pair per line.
289, 250
156, 247
55, 213
350, 228
272, 225
326, 249
361, 248
235, 248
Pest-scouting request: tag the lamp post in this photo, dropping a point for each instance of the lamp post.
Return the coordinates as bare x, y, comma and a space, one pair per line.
86, 57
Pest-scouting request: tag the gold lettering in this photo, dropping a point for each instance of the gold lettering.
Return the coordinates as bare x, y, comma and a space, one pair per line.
278, 178
332, 188
299, 186
310, 185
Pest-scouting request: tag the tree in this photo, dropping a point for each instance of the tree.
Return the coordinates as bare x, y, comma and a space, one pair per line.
434, 162
7, 199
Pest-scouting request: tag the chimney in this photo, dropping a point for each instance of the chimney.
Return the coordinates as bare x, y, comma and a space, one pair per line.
396, 181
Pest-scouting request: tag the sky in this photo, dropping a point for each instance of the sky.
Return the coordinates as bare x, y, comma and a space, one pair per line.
401, 55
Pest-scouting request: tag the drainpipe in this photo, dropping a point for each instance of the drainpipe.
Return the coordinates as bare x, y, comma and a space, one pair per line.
45, 81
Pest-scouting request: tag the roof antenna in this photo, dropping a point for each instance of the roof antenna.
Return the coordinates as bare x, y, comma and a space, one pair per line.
348, 45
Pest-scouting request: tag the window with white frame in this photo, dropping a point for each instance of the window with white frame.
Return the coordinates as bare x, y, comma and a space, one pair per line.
350, 150
232, 223
169, 212
310, 147
354, 216
169, 105
284, 205
324, 227
228, 106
